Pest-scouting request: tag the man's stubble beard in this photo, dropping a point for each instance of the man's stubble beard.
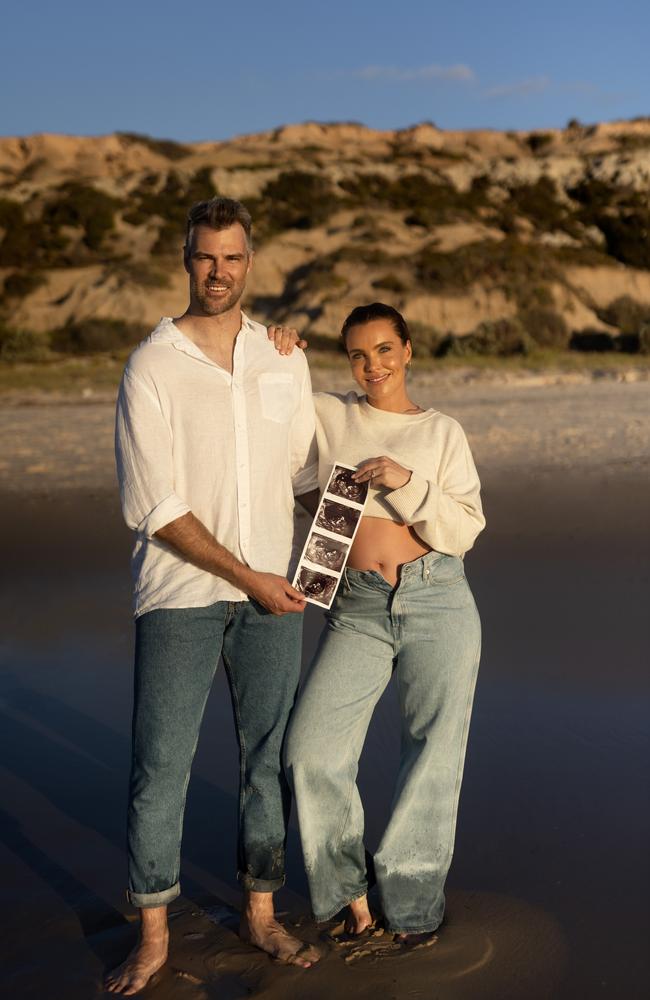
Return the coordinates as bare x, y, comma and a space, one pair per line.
211, 308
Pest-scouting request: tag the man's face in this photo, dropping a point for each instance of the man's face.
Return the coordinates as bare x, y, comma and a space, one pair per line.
218, 262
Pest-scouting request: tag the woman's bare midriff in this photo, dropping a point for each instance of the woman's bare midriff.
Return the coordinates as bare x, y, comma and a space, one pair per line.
385, 546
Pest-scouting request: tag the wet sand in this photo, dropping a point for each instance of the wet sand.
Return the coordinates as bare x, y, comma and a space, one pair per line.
549, 885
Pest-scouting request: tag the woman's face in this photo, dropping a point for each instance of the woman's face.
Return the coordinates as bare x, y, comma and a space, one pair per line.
378, 359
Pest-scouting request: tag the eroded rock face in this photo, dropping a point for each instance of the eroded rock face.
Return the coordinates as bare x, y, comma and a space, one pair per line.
453, 228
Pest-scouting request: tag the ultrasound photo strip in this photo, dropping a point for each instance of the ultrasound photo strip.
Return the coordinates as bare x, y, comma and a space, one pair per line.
331, 535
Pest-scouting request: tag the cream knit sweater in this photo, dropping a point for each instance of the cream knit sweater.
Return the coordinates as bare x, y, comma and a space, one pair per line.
441, 501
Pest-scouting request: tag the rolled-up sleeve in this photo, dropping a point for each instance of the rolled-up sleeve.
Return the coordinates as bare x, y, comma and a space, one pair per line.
143, 452
304, 451
446, 513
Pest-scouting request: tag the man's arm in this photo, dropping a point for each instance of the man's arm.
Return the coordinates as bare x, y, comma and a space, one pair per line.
190, 538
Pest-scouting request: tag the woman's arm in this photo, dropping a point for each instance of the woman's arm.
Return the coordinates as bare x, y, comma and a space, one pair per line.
445, 513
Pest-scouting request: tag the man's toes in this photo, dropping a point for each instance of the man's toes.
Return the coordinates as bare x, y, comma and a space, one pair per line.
305, 956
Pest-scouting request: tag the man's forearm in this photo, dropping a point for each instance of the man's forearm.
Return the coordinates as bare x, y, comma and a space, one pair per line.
190, 537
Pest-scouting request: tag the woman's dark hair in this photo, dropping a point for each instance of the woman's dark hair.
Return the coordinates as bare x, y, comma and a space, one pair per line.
376, 310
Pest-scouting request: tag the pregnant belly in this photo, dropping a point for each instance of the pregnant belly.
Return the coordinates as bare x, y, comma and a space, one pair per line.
385, 546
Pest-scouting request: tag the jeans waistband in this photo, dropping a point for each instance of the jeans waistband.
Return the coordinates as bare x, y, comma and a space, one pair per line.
417, 569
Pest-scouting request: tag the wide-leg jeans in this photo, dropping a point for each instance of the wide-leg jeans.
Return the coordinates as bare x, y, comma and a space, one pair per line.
177, 652
426, 630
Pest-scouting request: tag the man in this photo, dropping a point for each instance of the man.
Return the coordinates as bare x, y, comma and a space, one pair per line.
212, 435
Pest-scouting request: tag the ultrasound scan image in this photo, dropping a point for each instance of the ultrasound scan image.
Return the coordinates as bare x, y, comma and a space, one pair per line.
336, 517
326, 551
343, 485
318, 587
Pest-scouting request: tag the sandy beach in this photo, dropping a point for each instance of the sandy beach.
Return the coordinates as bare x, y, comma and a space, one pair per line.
548, 892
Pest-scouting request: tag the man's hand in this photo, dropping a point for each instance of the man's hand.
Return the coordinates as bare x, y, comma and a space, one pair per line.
285, 338
273, 592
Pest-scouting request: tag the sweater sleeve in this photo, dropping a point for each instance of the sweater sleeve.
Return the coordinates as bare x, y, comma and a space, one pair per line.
446, 512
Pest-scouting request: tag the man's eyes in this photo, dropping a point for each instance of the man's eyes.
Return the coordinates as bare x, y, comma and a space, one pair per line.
205, 256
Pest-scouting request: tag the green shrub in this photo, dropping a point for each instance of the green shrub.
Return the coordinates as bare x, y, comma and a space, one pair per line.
391, 283
506, 264
592, 340
626, 314
594, 196
644, 339
321, 342
138, 272
164, 147
628, 237
316, 276
495, 338
20, 345
538, 202
170, 203
11, 214
426, 339
25, 242
22, 283
294, 200
82, 206
545, 326
362, 253
539, 141
93, 336
426, 202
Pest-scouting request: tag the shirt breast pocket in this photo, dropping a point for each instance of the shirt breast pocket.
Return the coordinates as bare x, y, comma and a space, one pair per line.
277, 396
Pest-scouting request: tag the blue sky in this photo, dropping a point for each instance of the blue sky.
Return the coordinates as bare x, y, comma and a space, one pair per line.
210, 70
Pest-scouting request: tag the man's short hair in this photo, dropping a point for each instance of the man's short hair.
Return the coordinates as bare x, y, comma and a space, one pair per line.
219, 213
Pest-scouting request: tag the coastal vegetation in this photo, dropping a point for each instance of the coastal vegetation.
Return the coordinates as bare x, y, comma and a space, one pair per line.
538, 242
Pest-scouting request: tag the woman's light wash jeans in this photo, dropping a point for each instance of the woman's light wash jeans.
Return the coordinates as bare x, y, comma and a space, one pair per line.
177, 652
427, 631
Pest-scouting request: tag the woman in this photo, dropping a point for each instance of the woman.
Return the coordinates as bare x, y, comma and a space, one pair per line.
403, 605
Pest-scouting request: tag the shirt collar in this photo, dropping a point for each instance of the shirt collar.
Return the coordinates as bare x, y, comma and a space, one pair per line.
167, 332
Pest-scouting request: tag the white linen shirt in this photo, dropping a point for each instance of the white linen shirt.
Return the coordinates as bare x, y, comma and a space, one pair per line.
230, 448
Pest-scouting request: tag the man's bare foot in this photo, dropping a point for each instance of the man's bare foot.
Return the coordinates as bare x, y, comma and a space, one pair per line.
259, 927
149, 955
358, 918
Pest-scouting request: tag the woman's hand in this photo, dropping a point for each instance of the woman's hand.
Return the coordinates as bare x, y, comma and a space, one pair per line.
285, 338
382, 471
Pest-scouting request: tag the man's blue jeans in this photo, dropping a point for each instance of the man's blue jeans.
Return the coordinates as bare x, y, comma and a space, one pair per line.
427, 632
177, 652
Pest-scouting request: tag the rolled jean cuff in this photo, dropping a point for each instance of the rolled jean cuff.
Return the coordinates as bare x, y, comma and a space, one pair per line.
428, 928
145, 900
252, 884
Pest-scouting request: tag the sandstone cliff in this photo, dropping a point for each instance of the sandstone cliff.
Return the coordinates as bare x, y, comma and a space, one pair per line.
495, 238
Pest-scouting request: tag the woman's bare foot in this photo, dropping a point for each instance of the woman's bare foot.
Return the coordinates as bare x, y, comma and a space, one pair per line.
259, 927
412, 941
149, 955
358, 918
